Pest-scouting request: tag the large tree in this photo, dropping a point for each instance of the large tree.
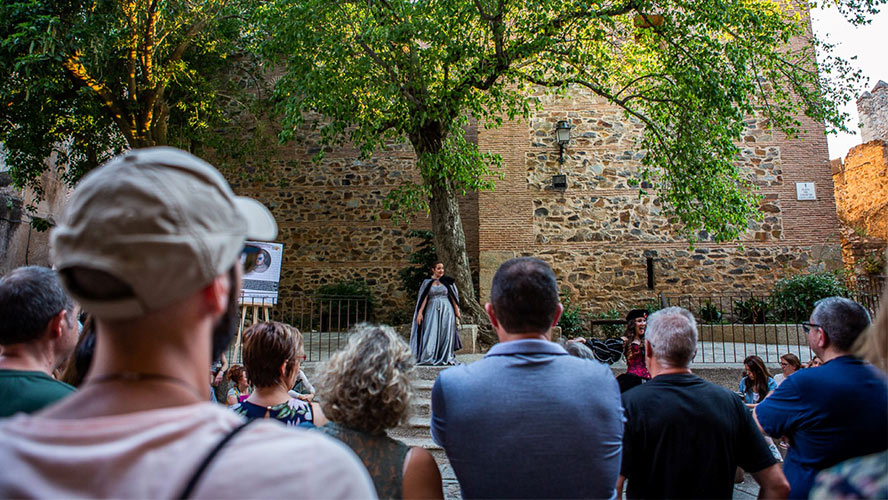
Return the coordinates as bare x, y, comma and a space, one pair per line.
86, 79
691, 70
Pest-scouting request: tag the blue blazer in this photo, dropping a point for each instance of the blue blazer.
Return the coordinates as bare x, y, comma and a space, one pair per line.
530, 421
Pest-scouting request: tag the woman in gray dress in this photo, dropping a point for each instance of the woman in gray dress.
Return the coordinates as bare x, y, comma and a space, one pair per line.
434, 336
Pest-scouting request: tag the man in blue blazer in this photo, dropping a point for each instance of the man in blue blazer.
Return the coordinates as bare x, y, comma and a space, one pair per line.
528, 420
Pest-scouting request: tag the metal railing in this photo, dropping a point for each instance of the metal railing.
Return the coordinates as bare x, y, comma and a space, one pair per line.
323, 320
732, 327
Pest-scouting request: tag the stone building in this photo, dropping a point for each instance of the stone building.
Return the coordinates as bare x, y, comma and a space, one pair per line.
872, 107
610, 248
861, 184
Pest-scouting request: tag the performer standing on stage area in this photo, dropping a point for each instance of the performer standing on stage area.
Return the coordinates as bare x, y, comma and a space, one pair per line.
633, 350
434, 333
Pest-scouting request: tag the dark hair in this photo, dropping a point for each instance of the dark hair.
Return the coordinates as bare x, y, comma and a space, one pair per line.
842, 319
760, 374
235, 373
792, 360
267, 346
524, 295
29, 298
435, 264
78, 362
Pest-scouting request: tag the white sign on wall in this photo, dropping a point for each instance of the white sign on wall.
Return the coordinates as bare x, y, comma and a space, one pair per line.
805, 191
260, 286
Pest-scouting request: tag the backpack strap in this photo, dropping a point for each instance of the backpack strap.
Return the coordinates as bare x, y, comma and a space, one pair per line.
198, 473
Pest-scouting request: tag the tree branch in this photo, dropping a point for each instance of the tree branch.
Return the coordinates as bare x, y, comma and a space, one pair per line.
77, 72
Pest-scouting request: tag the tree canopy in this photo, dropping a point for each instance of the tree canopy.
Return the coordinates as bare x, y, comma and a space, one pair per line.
86, 79
691, 70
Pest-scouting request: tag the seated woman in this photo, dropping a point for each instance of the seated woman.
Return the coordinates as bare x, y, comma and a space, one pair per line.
272, 354
240, 388
757, 383
789, 364
365, 389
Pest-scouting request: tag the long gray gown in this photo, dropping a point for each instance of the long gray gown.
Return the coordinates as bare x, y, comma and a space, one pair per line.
438, 329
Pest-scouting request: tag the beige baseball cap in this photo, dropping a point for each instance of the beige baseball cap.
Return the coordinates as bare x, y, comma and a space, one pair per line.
162, 222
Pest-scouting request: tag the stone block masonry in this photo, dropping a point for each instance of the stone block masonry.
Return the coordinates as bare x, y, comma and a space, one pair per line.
872, 107
599, 234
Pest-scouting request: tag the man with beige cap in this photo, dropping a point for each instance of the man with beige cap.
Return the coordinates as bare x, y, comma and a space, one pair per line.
150, 244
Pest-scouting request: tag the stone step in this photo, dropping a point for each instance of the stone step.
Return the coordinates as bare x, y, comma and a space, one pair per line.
422, 389
417, 427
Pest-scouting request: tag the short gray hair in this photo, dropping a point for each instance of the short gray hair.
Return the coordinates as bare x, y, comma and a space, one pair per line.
672, 334
843, 320
29, 298
578, 349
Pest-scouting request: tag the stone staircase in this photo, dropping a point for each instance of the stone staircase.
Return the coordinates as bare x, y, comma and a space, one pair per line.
415, 432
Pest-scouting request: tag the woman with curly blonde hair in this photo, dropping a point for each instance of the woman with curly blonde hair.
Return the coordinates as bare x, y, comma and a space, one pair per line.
365, 389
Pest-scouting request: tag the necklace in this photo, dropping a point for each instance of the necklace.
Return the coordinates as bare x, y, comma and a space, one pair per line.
140, 377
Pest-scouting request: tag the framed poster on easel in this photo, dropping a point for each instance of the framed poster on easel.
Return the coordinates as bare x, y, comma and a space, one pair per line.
259, 290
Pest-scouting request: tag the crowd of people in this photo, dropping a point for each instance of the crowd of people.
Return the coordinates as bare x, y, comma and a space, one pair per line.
151, 246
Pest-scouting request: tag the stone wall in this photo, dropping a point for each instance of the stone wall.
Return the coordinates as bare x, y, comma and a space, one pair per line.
872, 107
332, 221
862, 204
21, 244
599, 233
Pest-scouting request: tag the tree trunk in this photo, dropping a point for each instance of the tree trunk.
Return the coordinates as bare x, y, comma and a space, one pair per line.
450, 242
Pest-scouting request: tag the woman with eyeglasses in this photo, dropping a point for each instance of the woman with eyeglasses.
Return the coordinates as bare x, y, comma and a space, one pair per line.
272, 355
789, 364
757, 383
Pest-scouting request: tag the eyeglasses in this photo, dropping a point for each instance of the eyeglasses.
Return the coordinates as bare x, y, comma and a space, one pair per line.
301, 357
784, 363
808, 326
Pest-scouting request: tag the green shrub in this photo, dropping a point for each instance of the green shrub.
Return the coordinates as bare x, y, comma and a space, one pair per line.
793, 298
572, 320
338, 314
751, 311
422, 258
874, 264
710, 313
611, 331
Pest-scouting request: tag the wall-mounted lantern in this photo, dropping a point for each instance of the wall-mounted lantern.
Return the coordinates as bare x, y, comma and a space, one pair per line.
562, 137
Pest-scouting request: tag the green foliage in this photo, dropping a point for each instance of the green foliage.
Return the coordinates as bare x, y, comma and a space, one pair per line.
344, 303
793, 298
572, 321
422, 258
751, 311
611, 331
87, 79
406, 70
343, 288
874, 263
710, 313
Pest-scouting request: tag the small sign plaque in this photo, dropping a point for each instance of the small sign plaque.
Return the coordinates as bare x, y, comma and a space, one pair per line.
805, 191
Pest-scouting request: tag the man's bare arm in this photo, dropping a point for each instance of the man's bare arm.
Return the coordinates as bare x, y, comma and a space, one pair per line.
772, 482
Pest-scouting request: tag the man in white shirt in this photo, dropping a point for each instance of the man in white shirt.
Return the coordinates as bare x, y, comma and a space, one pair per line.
150, 245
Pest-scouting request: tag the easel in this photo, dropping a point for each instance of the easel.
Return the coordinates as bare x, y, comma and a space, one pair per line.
258, 312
